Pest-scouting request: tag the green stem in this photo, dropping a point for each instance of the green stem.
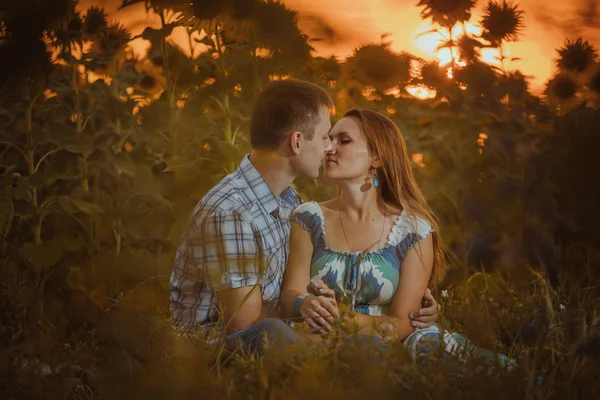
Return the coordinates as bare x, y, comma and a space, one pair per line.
37, 220
118, 240
255, 82
169, 87
502, 58
85, 182
226, 110
92, 223
220, 51
228, 123
118, 221
41, 289
78, 119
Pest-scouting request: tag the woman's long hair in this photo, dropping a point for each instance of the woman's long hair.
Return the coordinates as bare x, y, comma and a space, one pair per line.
398, 186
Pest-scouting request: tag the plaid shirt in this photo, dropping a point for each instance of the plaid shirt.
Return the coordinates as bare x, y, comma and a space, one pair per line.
238, 236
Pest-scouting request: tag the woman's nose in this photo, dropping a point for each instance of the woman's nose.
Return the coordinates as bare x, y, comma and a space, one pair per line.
329, 149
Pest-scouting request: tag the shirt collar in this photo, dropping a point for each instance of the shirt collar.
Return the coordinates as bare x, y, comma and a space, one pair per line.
289, 198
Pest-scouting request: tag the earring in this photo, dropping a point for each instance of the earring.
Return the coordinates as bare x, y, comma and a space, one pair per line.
375, 179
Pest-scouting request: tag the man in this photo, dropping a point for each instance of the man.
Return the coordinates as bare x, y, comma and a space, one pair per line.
231, 259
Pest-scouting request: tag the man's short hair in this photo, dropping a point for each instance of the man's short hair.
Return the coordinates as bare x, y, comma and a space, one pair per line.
284, 107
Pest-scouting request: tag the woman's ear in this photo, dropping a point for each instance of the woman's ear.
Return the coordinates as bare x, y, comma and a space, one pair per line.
376, 163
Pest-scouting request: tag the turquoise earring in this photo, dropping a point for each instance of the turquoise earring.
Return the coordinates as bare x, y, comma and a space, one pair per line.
375, 179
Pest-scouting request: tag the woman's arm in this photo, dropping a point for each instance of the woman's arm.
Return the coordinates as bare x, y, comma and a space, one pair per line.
415, 272
297, 272
314, 310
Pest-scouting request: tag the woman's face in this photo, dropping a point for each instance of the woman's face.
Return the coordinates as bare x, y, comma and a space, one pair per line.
347, 158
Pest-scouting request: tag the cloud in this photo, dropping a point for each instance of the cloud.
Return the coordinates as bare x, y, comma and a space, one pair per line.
589, 13
317, 27
570, 19
330, 33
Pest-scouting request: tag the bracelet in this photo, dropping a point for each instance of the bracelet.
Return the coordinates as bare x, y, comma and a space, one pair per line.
298, 302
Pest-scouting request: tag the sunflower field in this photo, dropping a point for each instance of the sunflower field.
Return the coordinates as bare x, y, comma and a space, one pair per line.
104, 153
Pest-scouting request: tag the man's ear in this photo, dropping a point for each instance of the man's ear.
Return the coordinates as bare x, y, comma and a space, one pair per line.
296, 141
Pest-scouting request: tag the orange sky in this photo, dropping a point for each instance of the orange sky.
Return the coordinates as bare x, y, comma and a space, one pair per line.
346, 24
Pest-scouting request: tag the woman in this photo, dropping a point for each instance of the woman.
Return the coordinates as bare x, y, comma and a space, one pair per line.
375, 247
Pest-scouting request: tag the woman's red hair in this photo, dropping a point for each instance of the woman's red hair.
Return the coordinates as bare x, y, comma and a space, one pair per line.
398, 186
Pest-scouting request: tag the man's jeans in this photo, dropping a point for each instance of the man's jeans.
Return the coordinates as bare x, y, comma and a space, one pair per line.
278, 334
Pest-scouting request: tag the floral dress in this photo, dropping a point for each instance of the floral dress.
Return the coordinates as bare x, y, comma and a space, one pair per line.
369, 280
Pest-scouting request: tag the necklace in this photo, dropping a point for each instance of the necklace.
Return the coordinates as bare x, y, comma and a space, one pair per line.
352, 273
346, 237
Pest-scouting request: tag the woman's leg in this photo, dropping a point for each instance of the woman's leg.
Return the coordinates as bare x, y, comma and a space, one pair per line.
452, 347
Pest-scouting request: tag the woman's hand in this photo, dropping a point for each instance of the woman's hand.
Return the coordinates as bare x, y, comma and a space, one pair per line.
319, 288
319, 312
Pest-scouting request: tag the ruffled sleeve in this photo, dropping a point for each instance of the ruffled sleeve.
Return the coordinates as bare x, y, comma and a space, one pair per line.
310, 217
408, 231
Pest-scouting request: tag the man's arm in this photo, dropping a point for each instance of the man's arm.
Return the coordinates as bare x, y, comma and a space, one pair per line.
230, 257
240, 308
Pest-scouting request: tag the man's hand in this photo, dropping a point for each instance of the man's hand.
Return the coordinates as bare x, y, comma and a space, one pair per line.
427, 315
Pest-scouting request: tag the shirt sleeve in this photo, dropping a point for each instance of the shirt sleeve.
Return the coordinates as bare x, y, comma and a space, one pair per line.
225, 248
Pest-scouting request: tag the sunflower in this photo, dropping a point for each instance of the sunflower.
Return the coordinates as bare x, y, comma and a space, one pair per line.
446, 12
478, 77
75, 25
502, 22
576, 56
468, 48
278, 31
329, 68
179, 65
563, 92
72, 34
434, 76
377, 65
242, 9
94, 22
278, 25
114, 39
207, 9
514, 84
593, 85
239, 30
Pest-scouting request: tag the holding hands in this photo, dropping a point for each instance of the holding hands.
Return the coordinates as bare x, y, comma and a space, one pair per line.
320, 308
319, 312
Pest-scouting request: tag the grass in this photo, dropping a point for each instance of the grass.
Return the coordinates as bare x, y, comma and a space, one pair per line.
132, 351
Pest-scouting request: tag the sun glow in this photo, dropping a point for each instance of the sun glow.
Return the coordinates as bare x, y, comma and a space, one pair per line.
421, 92
428, 39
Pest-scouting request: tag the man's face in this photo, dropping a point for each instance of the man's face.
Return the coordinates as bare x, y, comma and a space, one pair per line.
312, 152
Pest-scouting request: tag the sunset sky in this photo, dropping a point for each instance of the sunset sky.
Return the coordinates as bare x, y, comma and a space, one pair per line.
346, 24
